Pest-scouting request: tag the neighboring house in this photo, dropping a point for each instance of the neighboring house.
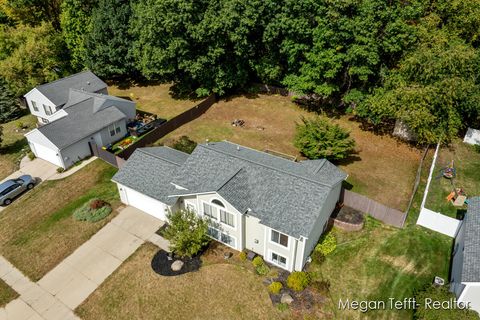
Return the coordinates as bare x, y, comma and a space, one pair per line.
46, 99
272, 206
472, 136
465, 277
85, 117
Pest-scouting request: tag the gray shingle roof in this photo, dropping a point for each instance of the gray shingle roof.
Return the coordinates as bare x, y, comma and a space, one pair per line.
58, 91
83, 119
471, 253
150, 171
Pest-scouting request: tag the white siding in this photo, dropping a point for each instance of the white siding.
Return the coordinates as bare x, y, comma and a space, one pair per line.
320, 224
40, 99
142, 202
457, 263
43, 148
471, 294
75, 152
105, 136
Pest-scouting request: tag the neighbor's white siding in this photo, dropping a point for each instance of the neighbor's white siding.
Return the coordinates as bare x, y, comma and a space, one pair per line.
142, 202
40, 99
471, 294
457, 263
321, 222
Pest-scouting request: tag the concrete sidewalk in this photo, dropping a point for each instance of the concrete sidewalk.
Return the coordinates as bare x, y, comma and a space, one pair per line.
75, 278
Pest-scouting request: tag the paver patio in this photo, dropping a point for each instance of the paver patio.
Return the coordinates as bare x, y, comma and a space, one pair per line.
66, 286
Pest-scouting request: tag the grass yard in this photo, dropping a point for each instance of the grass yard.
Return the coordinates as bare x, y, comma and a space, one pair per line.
216, 291
466, 161
38, 231
14, 145
7, 294
154, 99
383, 168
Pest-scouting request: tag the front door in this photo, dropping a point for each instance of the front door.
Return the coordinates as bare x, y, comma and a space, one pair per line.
254, 235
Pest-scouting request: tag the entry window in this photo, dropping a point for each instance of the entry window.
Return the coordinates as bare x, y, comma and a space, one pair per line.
227, 239
34, 105
279, 238
227, 218
279, 260
209, 211
48, 110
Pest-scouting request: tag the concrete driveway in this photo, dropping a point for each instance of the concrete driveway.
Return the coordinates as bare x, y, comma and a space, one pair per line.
38, 168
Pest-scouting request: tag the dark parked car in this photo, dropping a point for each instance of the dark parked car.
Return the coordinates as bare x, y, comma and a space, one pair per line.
14, 187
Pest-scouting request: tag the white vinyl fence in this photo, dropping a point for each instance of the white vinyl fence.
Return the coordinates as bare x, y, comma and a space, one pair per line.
434, 220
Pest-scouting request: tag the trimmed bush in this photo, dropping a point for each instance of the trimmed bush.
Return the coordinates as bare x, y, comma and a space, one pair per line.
327, 244
86, 213
317, 257
185, 144
257, 261
242, 255
31, 155
262, 269
60, 169
298, 280
275, 287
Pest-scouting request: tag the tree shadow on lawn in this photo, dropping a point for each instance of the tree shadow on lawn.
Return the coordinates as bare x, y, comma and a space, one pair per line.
14, 147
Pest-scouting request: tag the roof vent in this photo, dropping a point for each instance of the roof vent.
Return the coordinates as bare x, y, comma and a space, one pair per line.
88, 82
238, 147
206, 142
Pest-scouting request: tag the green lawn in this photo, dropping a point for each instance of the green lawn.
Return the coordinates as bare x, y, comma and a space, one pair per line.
14, 145
38, 231
7, 294
466, 161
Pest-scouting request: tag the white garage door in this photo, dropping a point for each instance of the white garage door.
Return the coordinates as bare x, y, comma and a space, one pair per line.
143, 202
45, 153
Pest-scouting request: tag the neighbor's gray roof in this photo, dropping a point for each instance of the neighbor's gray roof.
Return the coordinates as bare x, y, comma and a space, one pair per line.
471, 253
58, 91
84, 117
150, 171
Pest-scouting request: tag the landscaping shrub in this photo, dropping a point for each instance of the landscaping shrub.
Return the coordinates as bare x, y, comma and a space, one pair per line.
97, 204
320, 138
185, 144
282, 307
317, 257
327, 244
31, 155
275, 287
243, 256
298, 280
322, 286
60, 169
439, 294
187, 232
87, 213
257, 261
262, 269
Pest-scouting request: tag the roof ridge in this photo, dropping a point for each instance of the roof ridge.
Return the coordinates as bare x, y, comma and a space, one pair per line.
156, 156
67, 77
229, 178
320, 166
269, 167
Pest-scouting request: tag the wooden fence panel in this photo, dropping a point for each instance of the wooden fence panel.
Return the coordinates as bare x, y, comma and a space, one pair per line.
375, 209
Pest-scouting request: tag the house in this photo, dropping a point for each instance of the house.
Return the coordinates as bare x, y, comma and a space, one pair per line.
85, 118
472, 136
274, 207
46, 99
465, 276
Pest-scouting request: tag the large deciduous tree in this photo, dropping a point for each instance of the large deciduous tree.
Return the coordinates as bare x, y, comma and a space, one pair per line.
33, 12
75, 21
9, 108
108, 44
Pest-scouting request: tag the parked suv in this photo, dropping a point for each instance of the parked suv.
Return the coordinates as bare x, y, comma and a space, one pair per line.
14, 187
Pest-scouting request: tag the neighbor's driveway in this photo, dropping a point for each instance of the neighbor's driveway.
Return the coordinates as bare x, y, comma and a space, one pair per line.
65, 287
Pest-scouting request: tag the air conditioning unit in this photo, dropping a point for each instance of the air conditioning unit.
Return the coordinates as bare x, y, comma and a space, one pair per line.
438, 282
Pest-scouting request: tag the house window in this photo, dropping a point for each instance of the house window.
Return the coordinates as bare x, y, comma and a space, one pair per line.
227, 218
218, 203
279, 238
213, 232
190, 207
279, 260
209, 211
48, 110
114, 129
227, 239
34, 106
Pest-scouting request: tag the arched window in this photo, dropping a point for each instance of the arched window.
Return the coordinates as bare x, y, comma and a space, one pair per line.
218, 203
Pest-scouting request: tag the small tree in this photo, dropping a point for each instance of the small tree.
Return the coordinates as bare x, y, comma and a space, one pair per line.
319, 138
186, 232
185, 144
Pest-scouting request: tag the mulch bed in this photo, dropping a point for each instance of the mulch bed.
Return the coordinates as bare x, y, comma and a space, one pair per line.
162, 265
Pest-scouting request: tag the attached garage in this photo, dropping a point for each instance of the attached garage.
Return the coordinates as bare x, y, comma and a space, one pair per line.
43, 148
142, 202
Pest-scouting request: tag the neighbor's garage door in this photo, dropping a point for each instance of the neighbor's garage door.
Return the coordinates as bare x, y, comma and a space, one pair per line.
45, 153
142, 202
